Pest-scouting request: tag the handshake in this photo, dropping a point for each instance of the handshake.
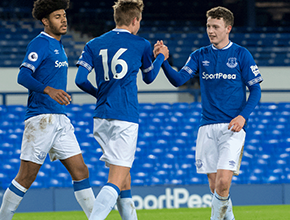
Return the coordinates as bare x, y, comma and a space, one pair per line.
159, 47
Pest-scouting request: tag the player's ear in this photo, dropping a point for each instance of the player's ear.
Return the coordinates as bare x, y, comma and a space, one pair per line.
229, 28
134, 21
44, 21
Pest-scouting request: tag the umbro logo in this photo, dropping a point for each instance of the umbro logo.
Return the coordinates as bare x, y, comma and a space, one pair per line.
205, 63
56, 51
232, 163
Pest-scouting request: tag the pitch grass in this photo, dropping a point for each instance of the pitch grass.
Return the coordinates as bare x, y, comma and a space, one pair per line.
274, 212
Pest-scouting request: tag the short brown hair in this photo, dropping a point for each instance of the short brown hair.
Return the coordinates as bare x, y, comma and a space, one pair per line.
126, 10
221, 12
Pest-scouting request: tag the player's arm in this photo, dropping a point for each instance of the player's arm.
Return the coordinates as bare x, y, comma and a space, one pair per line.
255, 95
252, 78
85, 66
150, 73
175, 78
150, 70
26, 79
83, 83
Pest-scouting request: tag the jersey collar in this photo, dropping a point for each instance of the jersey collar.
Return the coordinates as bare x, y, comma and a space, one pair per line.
46, 34
121, 30
226, 47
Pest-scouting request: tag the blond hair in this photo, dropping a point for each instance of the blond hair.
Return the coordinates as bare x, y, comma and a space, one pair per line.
126, 10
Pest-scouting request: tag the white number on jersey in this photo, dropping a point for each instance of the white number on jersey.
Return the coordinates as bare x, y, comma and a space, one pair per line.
115, 61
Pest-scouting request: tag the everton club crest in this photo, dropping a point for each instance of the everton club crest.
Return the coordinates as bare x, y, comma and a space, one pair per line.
232, 62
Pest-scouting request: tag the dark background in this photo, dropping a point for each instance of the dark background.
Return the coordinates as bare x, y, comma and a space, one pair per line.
94, 17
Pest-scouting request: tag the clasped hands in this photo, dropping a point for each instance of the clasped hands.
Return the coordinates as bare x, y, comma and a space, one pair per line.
159, 47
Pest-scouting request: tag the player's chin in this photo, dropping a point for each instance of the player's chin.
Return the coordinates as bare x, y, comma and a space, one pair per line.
212, 40
63, 32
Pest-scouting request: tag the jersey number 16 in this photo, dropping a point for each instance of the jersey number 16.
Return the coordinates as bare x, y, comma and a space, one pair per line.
115, 61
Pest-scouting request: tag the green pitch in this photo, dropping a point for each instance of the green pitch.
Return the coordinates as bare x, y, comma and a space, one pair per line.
276, 212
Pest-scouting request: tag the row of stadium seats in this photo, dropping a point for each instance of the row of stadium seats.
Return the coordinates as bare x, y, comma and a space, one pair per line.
15, 36
165, 149
267, 48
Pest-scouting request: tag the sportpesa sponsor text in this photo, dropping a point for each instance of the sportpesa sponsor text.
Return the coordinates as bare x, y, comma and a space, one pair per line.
59, 64
218, 76
173, 198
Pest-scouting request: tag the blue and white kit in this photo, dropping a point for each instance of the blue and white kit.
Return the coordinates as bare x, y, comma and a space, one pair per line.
47, 129
224, 75
47, 60
116, 78
117, 57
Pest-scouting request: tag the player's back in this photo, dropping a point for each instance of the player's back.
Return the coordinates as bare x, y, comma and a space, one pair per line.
119, 48
117, 57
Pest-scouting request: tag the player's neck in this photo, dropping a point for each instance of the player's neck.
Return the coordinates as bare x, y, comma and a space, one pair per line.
125, 28
57, 37
222, 44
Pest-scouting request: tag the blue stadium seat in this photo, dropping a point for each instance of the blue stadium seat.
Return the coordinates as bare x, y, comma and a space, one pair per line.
5, 180
177, 150
64, 178
198, 179
163, 107
137, 182
147, 136
181, 106
281, 163
38, 184
48, 167
155, 180
272, 179
284, 106
146, 106
159, 149
53, 182
238, 179
152, 159
254, 179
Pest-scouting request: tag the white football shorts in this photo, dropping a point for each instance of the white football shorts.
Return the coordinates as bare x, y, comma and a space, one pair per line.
48, 133
219, 148
118, 140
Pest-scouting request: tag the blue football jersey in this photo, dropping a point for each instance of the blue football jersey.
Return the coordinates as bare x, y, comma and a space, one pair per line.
46, 57
224, 75
117, 57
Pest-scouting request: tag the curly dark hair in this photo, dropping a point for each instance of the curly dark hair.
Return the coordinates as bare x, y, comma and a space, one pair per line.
42, 8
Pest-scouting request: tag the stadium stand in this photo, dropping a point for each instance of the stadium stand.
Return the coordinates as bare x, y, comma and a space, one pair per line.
173, 21
268, 48
166, 146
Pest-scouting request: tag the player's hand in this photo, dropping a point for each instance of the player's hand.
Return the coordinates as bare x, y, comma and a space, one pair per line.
164, 50
237, 123
159, 47
58, 95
